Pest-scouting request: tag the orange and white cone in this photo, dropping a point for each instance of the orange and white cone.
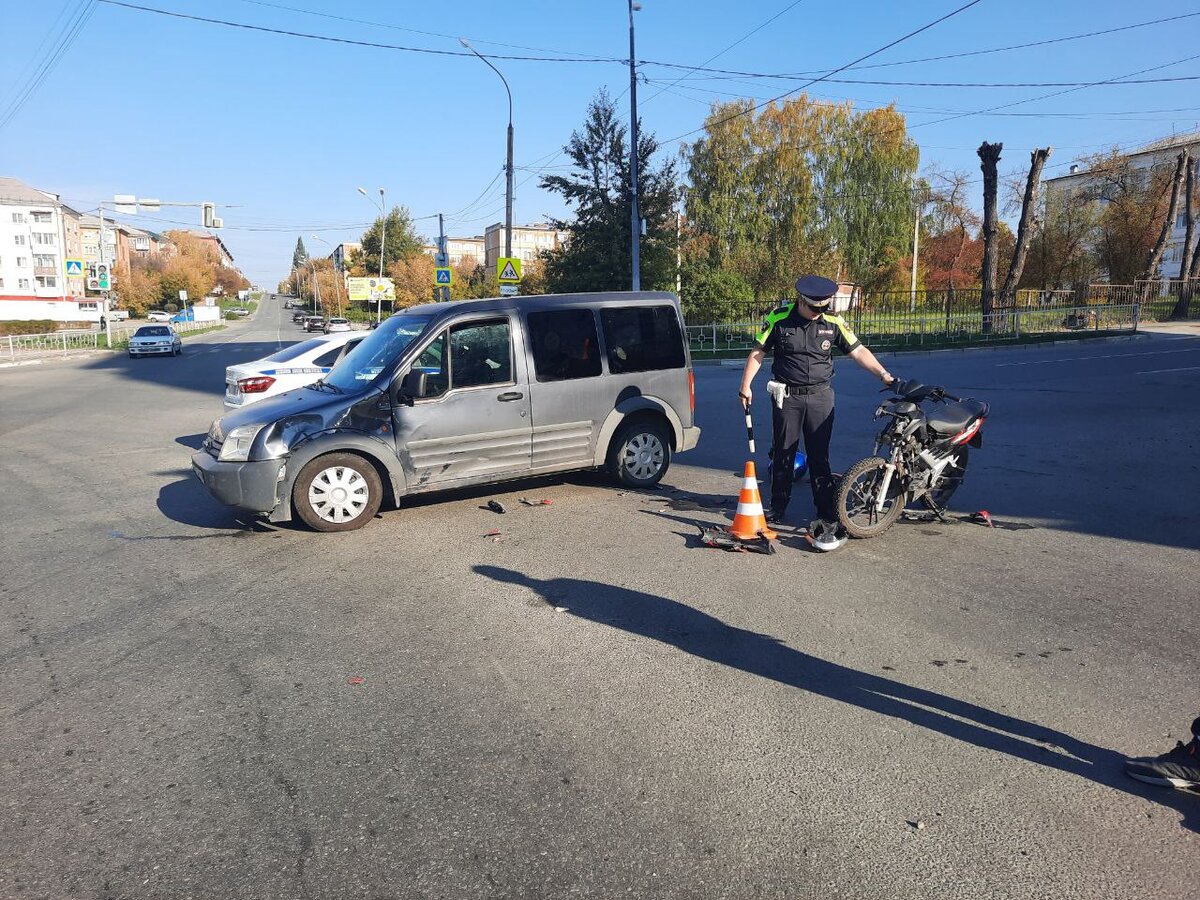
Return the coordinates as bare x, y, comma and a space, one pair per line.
749, 522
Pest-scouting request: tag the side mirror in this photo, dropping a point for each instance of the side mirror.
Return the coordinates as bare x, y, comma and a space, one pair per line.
412, 387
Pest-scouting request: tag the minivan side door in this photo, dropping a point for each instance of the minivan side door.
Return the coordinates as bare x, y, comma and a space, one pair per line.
473, 420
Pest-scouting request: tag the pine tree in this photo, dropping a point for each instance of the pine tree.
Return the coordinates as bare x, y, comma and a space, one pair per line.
299, 255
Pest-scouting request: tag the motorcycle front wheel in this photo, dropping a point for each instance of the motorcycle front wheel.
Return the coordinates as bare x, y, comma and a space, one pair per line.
858, 499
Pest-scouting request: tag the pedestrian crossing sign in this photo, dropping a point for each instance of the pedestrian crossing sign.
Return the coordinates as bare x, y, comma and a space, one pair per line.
74, 268
444, 277
510, 270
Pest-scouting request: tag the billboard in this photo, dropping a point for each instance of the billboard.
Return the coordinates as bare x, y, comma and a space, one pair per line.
371, 289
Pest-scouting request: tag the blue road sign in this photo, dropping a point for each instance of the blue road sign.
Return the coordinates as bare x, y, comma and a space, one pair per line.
444, 277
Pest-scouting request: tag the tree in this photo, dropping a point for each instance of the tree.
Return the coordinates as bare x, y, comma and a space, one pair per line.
299, 255
1190, 263
1154, 259
714, 295
413, 278
989, 158
533, 278
402, 242
803, 186
597, 255
951, 257
1025, 227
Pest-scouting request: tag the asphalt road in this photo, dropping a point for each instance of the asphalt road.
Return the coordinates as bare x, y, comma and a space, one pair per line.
596, 706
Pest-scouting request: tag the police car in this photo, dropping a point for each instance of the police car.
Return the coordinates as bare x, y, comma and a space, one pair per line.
291, 367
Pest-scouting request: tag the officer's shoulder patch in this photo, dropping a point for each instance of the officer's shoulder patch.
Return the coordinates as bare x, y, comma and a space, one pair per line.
832, 319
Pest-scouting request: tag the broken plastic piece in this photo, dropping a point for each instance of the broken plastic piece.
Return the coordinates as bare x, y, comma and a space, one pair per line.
356, 679
984, 518
496, 506
529, 502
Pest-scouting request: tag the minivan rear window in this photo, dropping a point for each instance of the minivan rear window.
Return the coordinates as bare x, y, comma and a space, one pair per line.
642, 338
564, 344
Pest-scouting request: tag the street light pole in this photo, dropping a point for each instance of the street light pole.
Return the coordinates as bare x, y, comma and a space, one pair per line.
382, 247
635, 219
508, 165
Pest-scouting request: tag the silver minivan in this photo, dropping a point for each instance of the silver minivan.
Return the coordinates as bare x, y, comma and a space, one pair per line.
450, 395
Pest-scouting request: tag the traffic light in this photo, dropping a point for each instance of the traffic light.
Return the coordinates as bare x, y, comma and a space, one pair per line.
210, 219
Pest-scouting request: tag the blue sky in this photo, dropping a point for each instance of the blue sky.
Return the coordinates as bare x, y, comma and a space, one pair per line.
280, 131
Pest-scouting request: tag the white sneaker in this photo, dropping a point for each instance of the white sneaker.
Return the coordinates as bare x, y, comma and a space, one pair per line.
827, 536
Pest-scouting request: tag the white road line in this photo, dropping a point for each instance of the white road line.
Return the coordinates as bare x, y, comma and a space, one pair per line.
1043, 362
1161, 371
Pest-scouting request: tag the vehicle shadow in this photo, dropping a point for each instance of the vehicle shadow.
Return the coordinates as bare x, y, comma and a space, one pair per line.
200, 369
187, 502
704, 636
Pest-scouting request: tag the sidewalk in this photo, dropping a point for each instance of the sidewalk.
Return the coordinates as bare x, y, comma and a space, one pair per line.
1187, 329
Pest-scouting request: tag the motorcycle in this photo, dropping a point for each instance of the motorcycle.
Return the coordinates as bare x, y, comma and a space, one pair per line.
925, 462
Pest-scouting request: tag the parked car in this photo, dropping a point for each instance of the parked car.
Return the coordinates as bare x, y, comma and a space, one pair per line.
238, 311
337, 324
118, 315
314, 323
449, 395
158, 315
155, 340
299, 315
289, 368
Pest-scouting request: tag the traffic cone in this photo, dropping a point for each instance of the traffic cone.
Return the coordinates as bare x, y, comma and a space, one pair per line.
749, 521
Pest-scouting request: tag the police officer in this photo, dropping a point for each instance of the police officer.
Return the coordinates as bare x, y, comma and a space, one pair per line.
801, 336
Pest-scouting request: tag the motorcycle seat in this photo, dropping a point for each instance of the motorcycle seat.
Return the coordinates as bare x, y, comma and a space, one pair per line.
951, 418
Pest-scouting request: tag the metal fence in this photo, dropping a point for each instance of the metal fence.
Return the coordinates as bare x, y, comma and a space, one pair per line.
897, 329
21, 345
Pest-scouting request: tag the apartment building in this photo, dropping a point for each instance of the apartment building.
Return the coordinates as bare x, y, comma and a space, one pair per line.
1157, 155
461, 249
528, 242
33, 283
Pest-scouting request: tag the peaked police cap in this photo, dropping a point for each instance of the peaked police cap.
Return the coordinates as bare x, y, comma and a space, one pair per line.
815, 289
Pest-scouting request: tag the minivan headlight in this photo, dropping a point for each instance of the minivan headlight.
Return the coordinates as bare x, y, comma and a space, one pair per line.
237, 443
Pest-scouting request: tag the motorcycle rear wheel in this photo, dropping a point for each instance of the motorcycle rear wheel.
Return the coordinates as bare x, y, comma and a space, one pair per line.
857, 497
950, 480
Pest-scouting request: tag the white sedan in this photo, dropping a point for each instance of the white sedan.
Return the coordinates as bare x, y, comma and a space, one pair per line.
154, 340
289, 368
336, 324
157, 315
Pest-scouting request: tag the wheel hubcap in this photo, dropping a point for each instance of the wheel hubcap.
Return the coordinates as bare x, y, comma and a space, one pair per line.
338, 494
644, 456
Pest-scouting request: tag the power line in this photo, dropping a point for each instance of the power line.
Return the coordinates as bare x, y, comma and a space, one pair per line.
349, 41
799, 76
66, 38
876, 52
394, 27
721, 53
1116, 79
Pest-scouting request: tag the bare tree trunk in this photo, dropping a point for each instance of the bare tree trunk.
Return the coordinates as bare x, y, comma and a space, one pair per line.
1025, 228
1156, 254
1189, 238
989, 156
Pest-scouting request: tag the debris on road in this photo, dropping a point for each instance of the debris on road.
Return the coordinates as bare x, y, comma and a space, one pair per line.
560, 609
719, 537
495, 536
495, 506
356, 679
983, 517
528, 502
917, 824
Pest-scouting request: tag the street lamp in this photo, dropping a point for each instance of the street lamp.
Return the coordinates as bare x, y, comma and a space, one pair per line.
336, 275
382, 248
508, 165
635, 227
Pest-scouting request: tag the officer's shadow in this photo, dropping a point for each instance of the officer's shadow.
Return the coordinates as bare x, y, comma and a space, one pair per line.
709, 638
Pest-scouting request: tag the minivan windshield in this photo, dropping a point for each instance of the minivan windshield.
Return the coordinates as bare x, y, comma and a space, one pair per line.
376, 352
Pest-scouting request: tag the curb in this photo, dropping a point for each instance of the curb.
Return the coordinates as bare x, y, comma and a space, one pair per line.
23, 362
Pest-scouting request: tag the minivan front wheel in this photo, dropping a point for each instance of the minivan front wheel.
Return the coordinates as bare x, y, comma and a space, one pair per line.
337, 492
640, 454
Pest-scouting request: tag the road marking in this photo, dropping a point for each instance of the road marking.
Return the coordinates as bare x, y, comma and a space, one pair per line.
1042, 362
1161, 371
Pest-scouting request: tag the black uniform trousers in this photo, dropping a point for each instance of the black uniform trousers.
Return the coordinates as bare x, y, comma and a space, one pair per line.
809, 416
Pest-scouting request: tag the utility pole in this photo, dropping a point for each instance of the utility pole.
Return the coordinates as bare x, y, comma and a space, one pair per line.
916, 250
635, 219
678, 251
103, 294
443, 258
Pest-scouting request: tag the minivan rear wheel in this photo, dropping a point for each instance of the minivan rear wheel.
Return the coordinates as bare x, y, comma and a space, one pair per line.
640, 454
337, 492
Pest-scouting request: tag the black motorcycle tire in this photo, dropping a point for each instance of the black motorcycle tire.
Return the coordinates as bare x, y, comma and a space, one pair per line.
864, 467
956, 471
